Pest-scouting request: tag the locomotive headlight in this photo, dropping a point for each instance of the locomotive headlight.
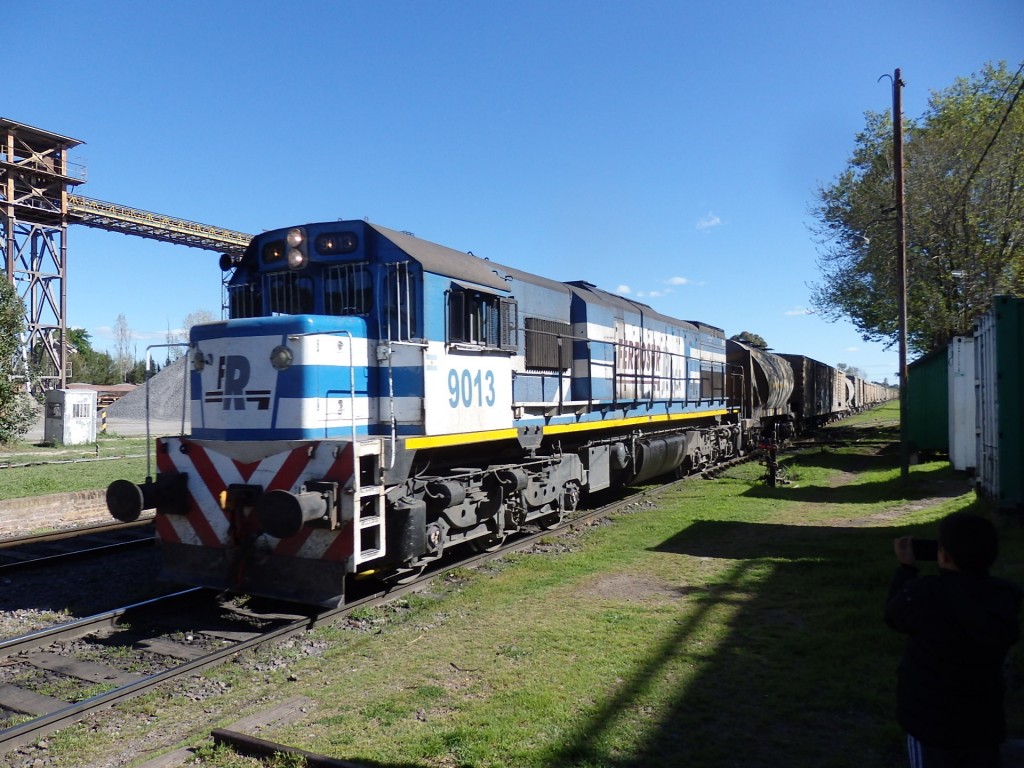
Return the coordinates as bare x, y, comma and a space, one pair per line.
281, 357
198, 360
296, 240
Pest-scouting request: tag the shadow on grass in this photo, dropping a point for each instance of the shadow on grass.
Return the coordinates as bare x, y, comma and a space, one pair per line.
798, 676
940, 482
829, 458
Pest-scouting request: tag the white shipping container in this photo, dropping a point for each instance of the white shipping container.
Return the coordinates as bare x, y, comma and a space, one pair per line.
963, 431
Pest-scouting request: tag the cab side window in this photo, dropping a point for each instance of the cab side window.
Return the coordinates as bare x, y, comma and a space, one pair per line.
481, 319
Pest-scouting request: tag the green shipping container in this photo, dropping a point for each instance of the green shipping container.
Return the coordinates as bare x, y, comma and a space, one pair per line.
927, 426
998, 361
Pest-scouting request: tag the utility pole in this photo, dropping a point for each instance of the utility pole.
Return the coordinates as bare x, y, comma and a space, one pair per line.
901, 265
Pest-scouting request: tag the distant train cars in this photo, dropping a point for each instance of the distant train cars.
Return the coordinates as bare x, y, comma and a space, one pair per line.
787, 394
967, 401
376, 399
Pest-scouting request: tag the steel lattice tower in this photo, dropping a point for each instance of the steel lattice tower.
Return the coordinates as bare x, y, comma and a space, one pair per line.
35, 177
36, 207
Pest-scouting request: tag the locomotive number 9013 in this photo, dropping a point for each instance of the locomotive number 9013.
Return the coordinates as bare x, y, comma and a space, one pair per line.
470, 389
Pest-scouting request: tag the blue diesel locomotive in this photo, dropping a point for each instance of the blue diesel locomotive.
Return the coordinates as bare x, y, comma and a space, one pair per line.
375, 399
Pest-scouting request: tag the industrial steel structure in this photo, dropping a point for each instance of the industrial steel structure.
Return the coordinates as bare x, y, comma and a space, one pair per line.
36, 207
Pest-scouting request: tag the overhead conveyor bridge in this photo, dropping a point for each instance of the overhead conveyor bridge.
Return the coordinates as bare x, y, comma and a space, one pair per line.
36, 207
132, 221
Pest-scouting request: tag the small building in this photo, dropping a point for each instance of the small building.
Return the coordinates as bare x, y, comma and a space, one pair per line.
70, 417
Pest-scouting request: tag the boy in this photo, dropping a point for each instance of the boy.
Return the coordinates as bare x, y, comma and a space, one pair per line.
961, 622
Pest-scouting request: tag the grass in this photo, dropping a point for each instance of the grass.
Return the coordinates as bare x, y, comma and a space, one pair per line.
727, 623
35, 470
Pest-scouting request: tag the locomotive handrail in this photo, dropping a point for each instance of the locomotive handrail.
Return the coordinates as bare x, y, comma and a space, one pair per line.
391, 409
149, 360
351, 375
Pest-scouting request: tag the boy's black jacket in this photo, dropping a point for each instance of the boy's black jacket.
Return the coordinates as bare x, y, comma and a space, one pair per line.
951, 679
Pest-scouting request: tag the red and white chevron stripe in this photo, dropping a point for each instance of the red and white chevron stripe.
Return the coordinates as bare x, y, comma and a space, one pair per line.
211, 470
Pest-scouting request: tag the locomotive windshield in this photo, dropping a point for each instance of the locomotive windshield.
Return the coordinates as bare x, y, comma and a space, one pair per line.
339, 289
319, 270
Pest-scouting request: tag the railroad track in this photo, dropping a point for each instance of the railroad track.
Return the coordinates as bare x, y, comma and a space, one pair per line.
185, 632
151, 630
20, 552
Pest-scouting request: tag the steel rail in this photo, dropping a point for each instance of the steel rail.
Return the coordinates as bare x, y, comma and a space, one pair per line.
80, 627
27, 732
11, 560
77, 554
69, 533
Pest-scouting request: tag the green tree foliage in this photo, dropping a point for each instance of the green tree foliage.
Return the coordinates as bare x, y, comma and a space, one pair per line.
964, 186
750, 339
16, 407
87, 365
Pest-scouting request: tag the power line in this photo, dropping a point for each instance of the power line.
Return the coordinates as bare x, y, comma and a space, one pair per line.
995, 135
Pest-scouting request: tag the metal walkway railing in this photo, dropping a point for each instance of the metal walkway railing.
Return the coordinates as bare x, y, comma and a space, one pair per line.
121, 218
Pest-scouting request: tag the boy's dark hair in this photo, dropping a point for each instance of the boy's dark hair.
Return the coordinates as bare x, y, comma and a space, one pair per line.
971, 541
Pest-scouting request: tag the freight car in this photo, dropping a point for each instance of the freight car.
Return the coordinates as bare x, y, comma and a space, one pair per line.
820, 393
375, 399
783, 395
762, 383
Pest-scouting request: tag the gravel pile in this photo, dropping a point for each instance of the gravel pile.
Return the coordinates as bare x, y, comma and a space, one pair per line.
165, 395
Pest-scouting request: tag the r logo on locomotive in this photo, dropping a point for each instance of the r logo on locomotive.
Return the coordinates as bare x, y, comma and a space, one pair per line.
232, 376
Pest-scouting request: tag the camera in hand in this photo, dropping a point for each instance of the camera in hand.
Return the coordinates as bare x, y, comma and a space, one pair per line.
925, 549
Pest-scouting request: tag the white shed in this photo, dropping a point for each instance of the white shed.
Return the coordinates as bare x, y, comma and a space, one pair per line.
70, 417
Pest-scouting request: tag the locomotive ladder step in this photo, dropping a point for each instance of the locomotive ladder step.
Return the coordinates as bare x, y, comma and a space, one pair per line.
364, 505
369, 490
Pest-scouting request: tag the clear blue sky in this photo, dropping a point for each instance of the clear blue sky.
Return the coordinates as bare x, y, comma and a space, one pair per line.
666, 150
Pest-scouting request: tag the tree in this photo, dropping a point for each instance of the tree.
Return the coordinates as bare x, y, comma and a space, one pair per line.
123, 356
16, 410
87, 365
198, 317
750, 339
964, 215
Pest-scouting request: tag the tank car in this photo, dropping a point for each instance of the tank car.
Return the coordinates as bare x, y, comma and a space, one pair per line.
375, 399
762, 383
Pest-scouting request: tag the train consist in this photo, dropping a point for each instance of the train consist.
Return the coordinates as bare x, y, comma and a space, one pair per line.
376, 399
